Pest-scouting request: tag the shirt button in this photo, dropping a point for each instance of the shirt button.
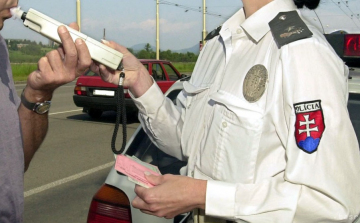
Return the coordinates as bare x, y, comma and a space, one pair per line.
224, 124
238, 31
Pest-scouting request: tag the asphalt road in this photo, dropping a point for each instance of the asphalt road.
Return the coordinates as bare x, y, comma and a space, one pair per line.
71, 164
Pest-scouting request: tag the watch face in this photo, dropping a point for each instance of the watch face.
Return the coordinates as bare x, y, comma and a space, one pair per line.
42, 108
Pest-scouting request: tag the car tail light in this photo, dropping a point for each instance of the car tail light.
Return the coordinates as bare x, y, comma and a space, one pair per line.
352, 45
126, 93
79, 90
109, 205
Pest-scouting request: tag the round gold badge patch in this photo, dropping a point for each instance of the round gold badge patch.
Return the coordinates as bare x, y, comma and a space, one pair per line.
255, 83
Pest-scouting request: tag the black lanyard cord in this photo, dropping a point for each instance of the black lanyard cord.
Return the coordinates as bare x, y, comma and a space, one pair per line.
120, 110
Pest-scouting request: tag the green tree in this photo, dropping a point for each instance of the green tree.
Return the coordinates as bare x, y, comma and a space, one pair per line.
148, 47
166, 55
13, 46
143, 54
31, 49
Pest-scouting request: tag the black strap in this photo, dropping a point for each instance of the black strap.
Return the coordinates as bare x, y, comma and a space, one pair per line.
120, 112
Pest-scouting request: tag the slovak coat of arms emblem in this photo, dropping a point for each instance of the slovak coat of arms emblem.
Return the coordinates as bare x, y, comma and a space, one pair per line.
309, 125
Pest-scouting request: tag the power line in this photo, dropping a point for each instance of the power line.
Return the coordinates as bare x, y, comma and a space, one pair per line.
338, 5
347, 4
188, 8
352, 13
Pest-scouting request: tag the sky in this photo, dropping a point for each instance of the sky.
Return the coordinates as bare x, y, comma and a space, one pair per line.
132, 22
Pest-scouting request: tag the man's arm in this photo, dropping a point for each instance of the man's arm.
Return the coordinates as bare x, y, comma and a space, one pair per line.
58, 67
34, 128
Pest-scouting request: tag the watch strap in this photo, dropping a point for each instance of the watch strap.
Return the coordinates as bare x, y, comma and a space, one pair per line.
30, 105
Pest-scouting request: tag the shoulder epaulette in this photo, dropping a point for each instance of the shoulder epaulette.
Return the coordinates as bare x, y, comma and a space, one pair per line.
288, 27
213, 33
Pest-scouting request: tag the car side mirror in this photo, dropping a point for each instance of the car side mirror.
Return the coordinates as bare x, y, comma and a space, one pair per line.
183, 75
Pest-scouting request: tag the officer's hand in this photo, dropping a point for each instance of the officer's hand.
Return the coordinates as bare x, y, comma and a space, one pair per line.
172, 195
58, 67
137, 78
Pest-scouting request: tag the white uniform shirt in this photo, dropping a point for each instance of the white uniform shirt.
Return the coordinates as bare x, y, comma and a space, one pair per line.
248, 152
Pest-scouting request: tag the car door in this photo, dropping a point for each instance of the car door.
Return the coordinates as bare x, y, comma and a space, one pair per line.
162, 78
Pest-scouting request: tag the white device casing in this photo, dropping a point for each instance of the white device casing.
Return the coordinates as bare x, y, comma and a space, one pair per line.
47, 27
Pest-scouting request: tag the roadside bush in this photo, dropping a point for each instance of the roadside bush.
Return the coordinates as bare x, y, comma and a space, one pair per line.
34, 50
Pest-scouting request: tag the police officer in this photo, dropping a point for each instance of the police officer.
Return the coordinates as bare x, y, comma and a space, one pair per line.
263, 124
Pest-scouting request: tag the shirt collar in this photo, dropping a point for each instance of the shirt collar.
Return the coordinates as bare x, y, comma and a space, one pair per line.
257, 25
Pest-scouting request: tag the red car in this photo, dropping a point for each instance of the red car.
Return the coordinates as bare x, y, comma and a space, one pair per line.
96, 96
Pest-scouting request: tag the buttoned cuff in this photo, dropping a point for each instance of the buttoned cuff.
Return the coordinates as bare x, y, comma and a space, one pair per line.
220, 199
150, 101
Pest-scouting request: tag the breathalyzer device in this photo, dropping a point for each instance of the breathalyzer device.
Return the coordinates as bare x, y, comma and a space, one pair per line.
47, 27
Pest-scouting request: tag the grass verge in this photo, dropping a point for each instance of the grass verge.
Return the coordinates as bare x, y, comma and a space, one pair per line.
22, 70
186, 67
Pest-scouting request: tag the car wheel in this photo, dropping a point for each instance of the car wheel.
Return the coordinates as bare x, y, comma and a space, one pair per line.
94, 113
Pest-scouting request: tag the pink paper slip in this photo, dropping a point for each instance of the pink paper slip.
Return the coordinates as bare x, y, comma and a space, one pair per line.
134, 170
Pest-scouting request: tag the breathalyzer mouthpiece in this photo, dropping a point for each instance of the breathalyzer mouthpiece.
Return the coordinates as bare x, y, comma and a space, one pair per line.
16, 12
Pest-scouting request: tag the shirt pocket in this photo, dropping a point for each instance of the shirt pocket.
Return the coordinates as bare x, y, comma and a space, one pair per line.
233, 138
196, 100
194, 94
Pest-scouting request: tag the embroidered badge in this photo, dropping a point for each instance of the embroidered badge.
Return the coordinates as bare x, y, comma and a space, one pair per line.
309, 125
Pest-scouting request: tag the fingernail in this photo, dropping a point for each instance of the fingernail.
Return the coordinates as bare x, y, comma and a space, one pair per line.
147, 173
79, 41
105, 41
62, 29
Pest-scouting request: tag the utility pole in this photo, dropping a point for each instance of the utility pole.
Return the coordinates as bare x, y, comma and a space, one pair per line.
157, 31
78, 16
204, 33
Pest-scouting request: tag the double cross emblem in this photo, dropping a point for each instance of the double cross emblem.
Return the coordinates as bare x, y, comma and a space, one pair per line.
307, 123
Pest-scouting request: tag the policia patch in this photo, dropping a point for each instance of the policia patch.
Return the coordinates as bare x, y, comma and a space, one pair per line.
288, 27
309, 125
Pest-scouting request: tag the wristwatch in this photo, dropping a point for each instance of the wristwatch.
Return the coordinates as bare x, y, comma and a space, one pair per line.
38, 107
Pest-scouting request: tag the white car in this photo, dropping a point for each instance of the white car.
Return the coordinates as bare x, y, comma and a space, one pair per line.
112, 202
354, 80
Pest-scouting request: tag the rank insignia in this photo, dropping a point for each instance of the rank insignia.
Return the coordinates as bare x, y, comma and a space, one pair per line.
309, 125
288, 27
213, 33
